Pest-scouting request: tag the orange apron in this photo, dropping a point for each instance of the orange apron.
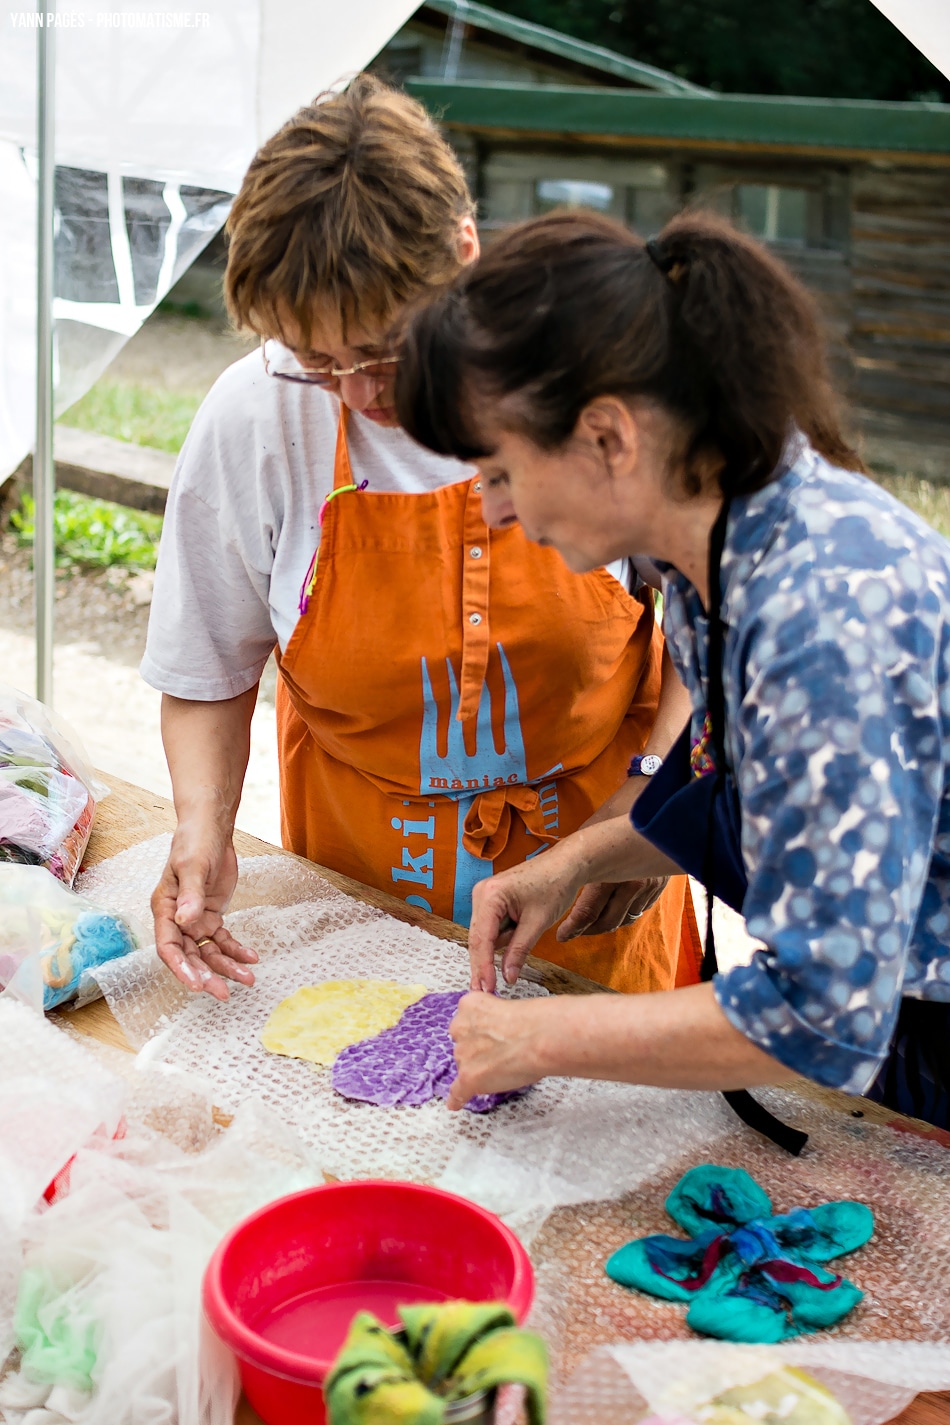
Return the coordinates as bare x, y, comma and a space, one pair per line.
454, 699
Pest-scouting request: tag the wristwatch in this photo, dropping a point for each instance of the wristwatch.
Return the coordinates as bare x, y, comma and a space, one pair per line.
644, 766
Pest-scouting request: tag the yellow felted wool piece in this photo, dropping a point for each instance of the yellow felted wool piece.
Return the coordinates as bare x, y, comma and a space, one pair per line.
787, 1396
317, 1021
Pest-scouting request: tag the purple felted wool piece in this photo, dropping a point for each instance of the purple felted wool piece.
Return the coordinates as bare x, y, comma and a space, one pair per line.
410, 1063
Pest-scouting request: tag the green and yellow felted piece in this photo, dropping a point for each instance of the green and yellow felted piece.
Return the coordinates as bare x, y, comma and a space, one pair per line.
453, 1350
438, 1337
373, 1381
787, 1396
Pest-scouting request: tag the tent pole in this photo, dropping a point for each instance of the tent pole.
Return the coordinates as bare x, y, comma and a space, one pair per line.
44, 474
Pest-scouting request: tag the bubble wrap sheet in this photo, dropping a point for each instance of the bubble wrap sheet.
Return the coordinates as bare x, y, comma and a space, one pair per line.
617, 1385
324, 935
577, 1167
904, 1270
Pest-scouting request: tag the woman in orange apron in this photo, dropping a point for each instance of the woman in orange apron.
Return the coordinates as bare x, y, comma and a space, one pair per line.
452, 699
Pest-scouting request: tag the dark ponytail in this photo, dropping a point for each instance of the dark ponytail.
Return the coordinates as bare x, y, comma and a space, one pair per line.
572, 306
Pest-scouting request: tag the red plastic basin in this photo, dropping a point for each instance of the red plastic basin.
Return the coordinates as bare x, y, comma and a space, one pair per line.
283, 1286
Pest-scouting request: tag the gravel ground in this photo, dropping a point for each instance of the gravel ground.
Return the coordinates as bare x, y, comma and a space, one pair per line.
105, 609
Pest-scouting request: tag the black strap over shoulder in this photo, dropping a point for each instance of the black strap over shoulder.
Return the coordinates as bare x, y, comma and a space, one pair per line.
740, 1101
716, 708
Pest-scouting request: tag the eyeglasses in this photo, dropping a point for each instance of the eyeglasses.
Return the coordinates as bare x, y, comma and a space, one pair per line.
280, 362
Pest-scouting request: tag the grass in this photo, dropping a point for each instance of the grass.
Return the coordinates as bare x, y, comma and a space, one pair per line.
94, 534
143, 415
931, 502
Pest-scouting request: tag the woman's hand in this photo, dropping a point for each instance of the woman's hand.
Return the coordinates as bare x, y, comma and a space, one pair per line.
512, 910
207, 746
496, 1046
188, 903
605, 907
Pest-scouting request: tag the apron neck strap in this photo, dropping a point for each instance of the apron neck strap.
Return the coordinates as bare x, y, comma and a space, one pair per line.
715, 696
716, 711
342, 471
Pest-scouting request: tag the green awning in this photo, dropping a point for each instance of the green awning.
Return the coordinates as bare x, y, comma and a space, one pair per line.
724, 118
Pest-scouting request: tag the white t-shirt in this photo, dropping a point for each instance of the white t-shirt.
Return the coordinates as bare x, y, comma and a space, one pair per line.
241, 524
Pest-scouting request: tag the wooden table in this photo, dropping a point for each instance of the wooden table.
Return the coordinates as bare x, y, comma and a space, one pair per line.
131, 815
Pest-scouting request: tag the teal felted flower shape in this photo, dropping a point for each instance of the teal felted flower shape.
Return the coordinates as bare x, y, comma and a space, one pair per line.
746, 1274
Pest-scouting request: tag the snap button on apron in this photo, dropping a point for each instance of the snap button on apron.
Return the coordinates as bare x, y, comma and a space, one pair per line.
476, 552
475, 618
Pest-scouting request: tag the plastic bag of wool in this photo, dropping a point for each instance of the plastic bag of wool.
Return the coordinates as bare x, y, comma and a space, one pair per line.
48, 792
51, 938
577, 1167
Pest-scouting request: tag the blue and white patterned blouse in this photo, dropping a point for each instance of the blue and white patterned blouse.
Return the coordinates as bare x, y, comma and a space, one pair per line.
836, 601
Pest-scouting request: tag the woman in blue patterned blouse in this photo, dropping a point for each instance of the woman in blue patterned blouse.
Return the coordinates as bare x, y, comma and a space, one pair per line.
672, 399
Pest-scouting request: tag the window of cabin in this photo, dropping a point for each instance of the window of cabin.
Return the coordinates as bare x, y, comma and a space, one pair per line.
803, 210
773, 212
520, 184
572, 193
397, 63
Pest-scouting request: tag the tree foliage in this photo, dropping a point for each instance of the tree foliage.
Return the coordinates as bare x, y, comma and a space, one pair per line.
835, 48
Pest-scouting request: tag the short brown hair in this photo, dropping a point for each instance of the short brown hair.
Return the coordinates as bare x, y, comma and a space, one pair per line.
572, 306
354, 204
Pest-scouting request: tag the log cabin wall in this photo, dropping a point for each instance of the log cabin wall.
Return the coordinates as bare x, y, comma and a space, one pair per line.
853, 195
900, 281
875, 253
818, 251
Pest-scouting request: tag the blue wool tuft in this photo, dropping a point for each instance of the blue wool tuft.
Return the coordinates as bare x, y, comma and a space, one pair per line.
99, 938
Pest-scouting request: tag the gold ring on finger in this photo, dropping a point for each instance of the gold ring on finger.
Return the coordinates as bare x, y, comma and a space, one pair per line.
206, 940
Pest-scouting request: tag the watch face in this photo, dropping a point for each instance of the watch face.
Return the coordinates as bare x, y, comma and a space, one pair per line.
650, 764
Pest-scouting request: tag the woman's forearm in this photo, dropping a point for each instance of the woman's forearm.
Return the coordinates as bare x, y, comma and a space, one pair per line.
207, 746
678, 1040
611, 851
672, 715
672, 710
674, 1039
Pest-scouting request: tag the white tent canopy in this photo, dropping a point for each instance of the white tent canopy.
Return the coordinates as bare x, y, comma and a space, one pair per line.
926, 23
157, 116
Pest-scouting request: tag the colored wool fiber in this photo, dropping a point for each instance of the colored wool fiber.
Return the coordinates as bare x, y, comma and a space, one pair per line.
410, 1063
784, 1397
746, 1274
45, 809
93, 938
54, 1331
51, 938
444, 1353
318, 1021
